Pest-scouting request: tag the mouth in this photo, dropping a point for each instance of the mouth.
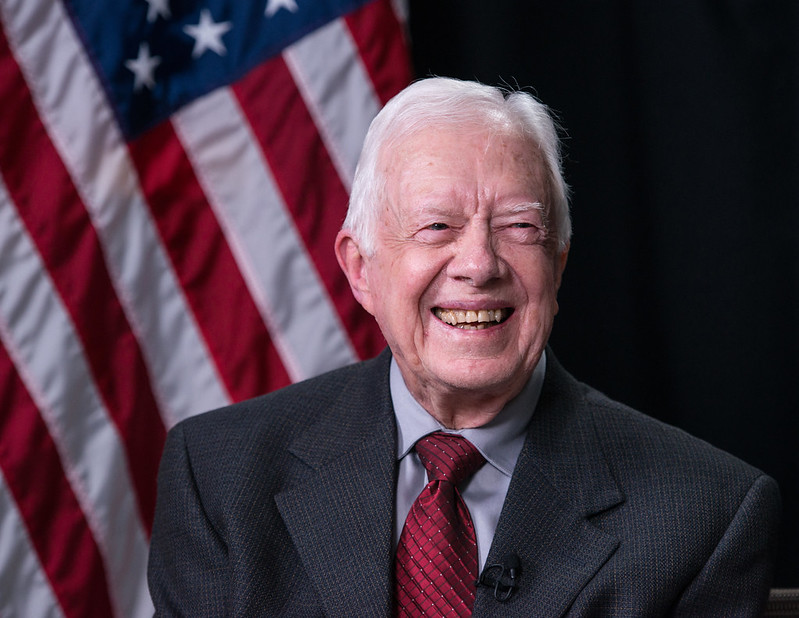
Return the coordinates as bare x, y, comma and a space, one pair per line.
472, 319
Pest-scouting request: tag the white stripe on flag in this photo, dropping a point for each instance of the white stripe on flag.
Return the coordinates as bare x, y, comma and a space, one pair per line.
25, 588
73, 108
286, 287
39, 336
337, 90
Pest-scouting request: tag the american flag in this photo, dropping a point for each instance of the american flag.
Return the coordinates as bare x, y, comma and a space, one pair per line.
172, 176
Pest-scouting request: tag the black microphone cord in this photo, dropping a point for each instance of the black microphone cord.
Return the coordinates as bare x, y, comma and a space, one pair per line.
502, 577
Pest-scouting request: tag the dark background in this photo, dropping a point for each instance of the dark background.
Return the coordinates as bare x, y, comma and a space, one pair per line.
681, 297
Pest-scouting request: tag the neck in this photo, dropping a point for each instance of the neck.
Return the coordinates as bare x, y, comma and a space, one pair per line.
458, 409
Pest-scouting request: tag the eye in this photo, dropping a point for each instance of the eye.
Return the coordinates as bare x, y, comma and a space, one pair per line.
524, 232
438, 227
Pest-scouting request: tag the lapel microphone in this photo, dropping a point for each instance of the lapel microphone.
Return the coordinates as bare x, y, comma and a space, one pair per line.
503, 576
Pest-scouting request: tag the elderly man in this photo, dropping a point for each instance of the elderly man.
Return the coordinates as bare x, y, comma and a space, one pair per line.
463, 470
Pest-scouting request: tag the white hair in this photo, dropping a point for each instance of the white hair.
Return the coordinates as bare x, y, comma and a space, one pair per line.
443, 101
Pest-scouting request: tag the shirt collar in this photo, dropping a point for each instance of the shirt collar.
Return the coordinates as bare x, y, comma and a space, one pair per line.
500, 441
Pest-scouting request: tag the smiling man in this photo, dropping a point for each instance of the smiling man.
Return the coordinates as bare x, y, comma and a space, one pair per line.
463, 471
464, 283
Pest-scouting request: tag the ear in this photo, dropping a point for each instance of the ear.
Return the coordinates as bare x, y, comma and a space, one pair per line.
560, 264
354, 264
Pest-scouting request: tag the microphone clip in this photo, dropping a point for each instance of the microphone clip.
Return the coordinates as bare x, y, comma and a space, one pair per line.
502, 577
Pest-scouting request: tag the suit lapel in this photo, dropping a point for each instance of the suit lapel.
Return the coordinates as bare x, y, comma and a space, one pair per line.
340, 513
561, 479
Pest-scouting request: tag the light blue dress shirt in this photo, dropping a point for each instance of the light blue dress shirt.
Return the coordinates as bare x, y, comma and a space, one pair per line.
500, 441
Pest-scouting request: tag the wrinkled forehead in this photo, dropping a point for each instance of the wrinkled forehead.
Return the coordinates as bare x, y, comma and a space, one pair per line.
449, 142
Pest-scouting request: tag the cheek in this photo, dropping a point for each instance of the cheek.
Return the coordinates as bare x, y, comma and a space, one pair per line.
416, 275
541, 289
398, 296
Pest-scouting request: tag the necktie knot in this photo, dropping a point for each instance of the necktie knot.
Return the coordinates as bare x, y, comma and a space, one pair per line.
448, 457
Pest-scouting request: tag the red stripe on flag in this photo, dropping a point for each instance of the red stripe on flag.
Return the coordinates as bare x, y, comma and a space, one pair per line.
32, 468
381, 44
225, 311
308, 182
58, 223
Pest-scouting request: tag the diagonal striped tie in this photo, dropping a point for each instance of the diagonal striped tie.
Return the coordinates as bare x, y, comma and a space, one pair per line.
436, 567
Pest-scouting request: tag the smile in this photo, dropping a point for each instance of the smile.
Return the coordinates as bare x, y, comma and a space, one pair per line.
472, 320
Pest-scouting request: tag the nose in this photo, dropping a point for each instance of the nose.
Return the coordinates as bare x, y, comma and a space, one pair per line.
475, 258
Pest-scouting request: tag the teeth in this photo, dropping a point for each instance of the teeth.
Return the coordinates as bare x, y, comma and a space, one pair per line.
473, 320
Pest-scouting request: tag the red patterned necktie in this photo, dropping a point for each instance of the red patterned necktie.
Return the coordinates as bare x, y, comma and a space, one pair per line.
436, 566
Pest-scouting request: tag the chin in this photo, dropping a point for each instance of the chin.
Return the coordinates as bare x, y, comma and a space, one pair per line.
479, 381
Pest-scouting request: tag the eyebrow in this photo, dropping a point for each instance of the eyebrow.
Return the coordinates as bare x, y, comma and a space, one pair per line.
436, 209
525, 207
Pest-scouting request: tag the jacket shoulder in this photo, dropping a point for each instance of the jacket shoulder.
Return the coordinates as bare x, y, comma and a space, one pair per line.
293, 408
638, 442
635, 442
226, 447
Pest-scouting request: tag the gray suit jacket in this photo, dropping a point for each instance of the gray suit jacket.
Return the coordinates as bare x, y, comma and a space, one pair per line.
283, 505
